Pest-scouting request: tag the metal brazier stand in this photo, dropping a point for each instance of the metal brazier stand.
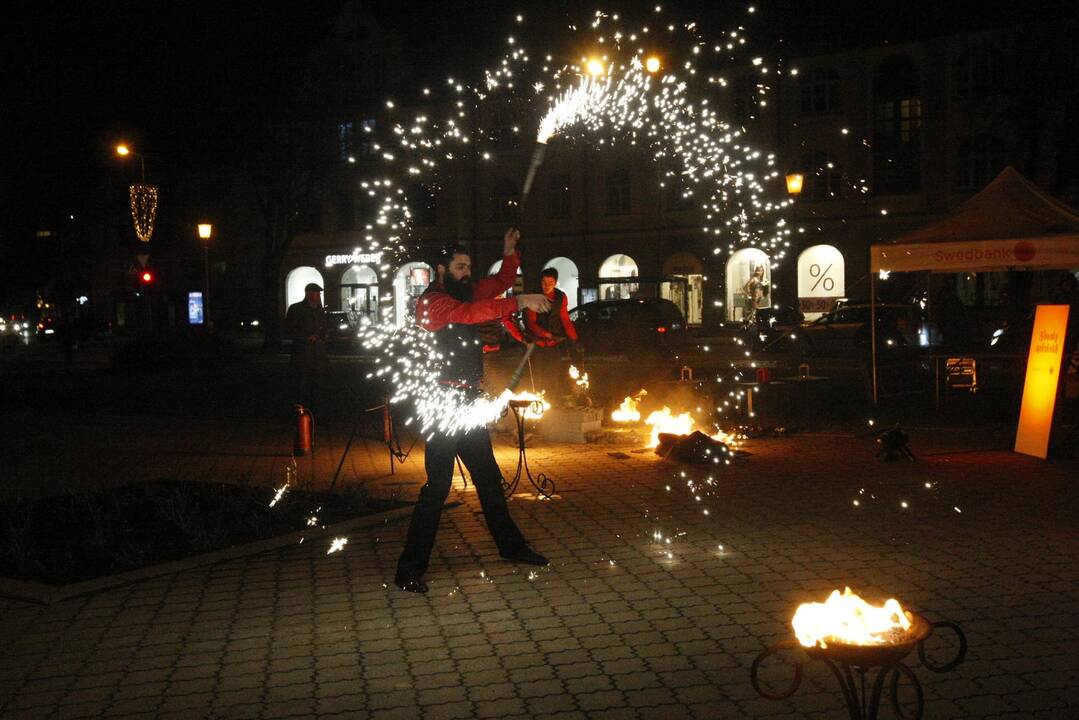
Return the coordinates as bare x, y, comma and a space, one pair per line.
851, 664
543, 484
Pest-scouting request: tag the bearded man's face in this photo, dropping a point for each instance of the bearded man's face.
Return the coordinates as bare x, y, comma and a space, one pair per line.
458, 278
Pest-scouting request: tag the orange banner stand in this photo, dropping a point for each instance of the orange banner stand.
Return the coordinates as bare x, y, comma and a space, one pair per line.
1042, 380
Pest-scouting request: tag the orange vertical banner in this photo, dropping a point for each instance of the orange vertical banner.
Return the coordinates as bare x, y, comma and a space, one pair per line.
1042, 381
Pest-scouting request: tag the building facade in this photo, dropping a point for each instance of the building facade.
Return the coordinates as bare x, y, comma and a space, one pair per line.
886, 138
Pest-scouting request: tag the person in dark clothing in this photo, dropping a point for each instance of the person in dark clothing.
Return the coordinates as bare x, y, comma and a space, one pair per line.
552, 327
305, 325
453, 308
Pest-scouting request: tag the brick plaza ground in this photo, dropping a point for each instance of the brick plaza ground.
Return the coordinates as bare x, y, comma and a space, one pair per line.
622, 625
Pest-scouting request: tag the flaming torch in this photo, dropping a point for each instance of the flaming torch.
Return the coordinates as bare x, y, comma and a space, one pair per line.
571, 106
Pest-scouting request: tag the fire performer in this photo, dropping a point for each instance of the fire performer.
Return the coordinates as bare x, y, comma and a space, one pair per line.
551, 327
453, 308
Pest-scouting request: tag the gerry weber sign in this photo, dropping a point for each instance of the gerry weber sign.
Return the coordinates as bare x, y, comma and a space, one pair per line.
355, 258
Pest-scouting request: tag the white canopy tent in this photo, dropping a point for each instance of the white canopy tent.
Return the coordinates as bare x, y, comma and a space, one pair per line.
1010, 225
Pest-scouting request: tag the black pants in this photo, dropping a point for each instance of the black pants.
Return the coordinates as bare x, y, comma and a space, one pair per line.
474, 447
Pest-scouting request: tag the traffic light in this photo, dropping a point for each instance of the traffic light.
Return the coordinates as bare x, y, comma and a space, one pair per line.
146, 277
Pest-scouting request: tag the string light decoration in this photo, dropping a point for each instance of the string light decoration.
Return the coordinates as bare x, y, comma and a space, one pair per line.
630, 102
143, 209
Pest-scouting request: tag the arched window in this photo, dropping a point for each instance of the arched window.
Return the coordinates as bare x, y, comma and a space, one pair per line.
822, 280
618, 267
359, 292
897, 127
688, 297
504, 201
297, 280
977, 161
819, 91
825, 179
749, 283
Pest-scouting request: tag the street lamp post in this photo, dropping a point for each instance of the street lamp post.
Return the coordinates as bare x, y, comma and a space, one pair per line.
143, 198
123, 151
206, 230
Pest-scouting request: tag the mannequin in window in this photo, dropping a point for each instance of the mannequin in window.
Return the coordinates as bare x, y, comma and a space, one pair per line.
756, 290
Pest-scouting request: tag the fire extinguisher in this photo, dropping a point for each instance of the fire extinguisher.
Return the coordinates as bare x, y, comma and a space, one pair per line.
305, 431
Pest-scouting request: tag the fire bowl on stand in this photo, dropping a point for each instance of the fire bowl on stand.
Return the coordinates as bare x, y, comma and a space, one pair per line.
851, 664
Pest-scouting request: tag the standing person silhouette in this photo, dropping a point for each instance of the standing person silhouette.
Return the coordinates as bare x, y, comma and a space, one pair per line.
453, 308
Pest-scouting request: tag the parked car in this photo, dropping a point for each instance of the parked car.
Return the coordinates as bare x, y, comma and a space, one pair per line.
342, 332
773, 327
846, 331
625, 330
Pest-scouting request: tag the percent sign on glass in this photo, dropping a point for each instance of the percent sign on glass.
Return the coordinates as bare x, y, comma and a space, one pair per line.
822, 277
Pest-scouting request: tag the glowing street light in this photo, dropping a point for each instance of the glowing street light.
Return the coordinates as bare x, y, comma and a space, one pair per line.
794, 183
123, 150
206, 231
652, 64
142, 197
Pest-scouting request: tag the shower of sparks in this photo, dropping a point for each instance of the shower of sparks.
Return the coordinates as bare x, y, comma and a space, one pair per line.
278, 494
337, 544
664, 107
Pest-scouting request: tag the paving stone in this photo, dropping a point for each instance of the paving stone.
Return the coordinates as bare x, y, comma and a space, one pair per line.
647, 637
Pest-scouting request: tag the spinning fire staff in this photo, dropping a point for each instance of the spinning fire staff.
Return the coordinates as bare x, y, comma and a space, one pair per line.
453, 308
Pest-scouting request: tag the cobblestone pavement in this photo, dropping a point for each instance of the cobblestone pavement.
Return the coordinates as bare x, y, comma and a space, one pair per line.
622, 625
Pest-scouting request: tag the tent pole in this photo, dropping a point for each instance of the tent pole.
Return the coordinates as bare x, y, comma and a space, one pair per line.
873, 327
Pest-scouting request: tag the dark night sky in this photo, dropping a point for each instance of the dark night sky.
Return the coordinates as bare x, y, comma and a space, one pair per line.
79, 76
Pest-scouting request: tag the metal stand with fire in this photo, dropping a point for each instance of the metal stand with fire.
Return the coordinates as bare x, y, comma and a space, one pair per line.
854, 639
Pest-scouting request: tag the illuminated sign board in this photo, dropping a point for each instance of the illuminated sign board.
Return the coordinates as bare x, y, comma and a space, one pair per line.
822, 276
194, 308
355, 258
1043, 378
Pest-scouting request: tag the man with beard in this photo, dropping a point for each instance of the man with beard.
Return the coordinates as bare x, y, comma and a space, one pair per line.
453, 308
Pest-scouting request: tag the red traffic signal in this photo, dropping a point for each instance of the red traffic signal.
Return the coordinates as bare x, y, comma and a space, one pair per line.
146, 276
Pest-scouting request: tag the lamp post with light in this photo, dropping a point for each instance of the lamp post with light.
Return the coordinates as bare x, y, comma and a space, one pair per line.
124, 150
143, 198
206, 231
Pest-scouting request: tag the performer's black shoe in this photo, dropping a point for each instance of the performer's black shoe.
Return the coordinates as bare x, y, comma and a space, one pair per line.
412, 585
526, 555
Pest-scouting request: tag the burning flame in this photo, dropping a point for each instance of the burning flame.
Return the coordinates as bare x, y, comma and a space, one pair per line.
538, 406
627, 411
849, 619
581, 380
663, 421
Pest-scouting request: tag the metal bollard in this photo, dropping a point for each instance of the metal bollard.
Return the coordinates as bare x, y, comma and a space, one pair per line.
305, 431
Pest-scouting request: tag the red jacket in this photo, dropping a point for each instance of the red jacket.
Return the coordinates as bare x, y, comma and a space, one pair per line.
436, 309
537, 330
